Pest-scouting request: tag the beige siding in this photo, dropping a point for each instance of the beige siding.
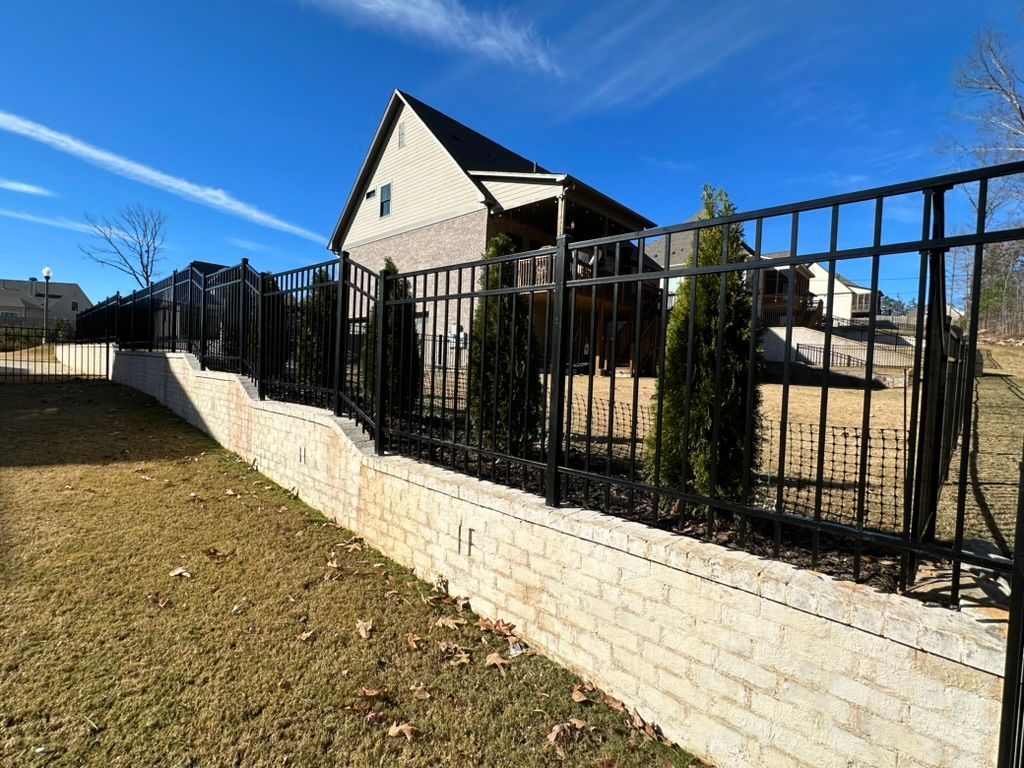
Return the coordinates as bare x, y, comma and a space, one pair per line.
510, 194
426, 186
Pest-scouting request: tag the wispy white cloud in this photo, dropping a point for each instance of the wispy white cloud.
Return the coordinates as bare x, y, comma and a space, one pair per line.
246, 245
49, 221
449, 23
211, 197
21, 187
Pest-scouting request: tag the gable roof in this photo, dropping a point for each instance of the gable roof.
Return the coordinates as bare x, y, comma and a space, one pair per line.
476, 156
821, 273
471, 150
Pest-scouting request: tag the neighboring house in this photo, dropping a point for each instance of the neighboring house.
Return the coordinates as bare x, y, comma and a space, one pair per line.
432, 192
22, 302
773, 288
849, 300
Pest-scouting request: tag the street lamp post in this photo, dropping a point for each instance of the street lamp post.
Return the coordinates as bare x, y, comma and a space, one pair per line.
47, 274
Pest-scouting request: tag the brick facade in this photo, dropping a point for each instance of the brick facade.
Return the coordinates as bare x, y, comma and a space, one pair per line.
462, 238
744, 661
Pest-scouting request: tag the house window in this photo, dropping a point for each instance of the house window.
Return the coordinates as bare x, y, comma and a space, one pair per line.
371, 194
401, 135
74, 306
385, 200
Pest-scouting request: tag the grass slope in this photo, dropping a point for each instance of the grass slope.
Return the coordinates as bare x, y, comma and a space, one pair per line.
108, 660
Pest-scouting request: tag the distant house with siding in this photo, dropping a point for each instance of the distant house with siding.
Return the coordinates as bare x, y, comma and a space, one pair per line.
22, 302
849, 300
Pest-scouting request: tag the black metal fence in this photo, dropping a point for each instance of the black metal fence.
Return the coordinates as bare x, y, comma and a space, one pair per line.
513, 369
33, 354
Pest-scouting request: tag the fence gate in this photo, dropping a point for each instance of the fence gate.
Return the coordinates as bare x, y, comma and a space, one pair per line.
34, 354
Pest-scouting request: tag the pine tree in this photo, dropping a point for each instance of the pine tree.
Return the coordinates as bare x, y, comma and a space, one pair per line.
691, 471
505, 403
402, 365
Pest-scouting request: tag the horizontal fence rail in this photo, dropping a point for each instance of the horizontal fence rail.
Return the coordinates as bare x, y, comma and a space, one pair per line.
627, 373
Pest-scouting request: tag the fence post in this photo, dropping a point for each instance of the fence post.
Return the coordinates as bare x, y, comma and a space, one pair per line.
929, 459
378, 365
150, 325
1013, 678
117, 319
341, 329
131, 319
243, 314
261, 370
559, 355
174, 311
202, 323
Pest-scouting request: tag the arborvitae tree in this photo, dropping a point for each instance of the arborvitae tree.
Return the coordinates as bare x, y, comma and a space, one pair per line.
505, 397
691, 471
402, 366
318, 331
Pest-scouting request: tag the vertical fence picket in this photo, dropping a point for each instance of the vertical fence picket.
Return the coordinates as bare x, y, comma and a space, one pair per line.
559, 355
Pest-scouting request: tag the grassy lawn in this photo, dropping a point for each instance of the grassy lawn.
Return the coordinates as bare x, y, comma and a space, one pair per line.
256, 657
993, 477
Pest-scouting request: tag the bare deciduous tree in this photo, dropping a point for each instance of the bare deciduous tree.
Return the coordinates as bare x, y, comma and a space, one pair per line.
990, 78
131, 242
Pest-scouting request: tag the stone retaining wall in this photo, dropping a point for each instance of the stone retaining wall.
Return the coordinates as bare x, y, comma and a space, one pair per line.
743, 661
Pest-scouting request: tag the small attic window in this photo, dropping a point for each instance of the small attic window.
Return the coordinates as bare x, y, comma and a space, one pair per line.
401, 135
371, 194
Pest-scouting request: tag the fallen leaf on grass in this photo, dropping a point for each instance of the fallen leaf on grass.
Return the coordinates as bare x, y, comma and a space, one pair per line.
419, 691
160, 601
364, 628
402, 730
503, 628
497, 661
230, 492
615, 704
214, 554
413, 642
460, 659
306, 636
564, 734
373, 716
236, 609
450, 622
179, 571
578, 696
373, 693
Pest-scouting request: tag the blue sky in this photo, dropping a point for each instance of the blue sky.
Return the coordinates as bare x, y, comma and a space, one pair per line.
246, 122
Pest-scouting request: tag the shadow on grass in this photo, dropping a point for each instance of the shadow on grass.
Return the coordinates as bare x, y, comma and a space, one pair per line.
49, 423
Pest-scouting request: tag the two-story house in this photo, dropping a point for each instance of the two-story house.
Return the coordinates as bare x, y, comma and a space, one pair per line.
432, 192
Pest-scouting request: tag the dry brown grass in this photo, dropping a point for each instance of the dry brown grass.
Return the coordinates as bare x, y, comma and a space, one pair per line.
96, 510
993, 479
